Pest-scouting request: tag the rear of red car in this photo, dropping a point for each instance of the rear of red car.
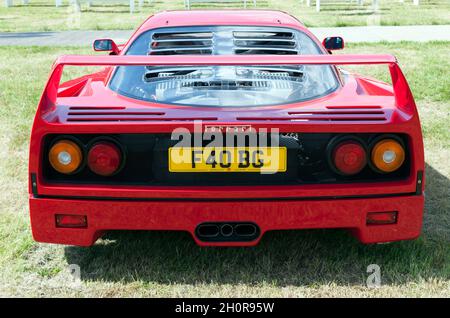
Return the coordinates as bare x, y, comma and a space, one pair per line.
273, 137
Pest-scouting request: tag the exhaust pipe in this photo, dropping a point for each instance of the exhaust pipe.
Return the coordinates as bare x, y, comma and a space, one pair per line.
208, 230
227, 232
248, 229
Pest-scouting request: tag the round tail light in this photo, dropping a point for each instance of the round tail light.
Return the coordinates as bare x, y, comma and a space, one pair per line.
387, 155
65, 156
349, 157
104, 158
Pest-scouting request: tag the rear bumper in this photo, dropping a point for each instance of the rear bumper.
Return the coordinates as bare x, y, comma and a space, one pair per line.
104, 215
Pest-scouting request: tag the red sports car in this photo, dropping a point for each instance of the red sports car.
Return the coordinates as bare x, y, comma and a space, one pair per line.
225, 124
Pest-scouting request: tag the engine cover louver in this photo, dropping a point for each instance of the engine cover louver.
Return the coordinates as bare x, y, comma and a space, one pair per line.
257, 42
181, 43
224, 40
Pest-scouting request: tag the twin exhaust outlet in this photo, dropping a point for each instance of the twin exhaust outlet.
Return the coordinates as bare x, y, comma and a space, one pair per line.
227, 232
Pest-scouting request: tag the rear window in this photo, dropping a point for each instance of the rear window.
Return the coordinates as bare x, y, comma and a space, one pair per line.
224, 86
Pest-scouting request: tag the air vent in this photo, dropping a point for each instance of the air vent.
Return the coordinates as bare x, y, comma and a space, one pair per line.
116, 114
354, 107
87, 113
223, 85
140, 119
99, 108
328, 116
349, 112
226, 84
181, 43
258, 42
209, 40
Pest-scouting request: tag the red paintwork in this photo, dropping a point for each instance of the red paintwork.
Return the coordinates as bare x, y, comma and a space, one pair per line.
285, 207
185, 216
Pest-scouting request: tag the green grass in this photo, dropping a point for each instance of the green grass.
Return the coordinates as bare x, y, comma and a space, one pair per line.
320, 263
42, 15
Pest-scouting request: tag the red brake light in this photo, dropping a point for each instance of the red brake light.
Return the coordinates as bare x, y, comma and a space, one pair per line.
349, 157
104, 158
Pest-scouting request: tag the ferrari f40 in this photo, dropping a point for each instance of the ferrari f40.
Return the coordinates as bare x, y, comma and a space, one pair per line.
227, 125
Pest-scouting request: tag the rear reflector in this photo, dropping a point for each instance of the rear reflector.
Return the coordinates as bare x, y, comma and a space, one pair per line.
71, 221
374, 218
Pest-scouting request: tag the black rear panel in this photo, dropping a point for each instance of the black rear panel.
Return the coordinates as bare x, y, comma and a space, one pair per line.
146, 163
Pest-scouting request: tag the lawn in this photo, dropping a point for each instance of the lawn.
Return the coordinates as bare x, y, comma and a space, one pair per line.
42, 15
319, 263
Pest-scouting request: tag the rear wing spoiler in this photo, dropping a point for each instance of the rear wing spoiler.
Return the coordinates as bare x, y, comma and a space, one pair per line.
403, 96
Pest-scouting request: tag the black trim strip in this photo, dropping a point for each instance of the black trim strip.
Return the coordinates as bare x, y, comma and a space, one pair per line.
370, 196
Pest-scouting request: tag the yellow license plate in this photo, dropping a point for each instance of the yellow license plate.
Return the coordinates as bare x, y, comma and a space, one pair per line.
228, 159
